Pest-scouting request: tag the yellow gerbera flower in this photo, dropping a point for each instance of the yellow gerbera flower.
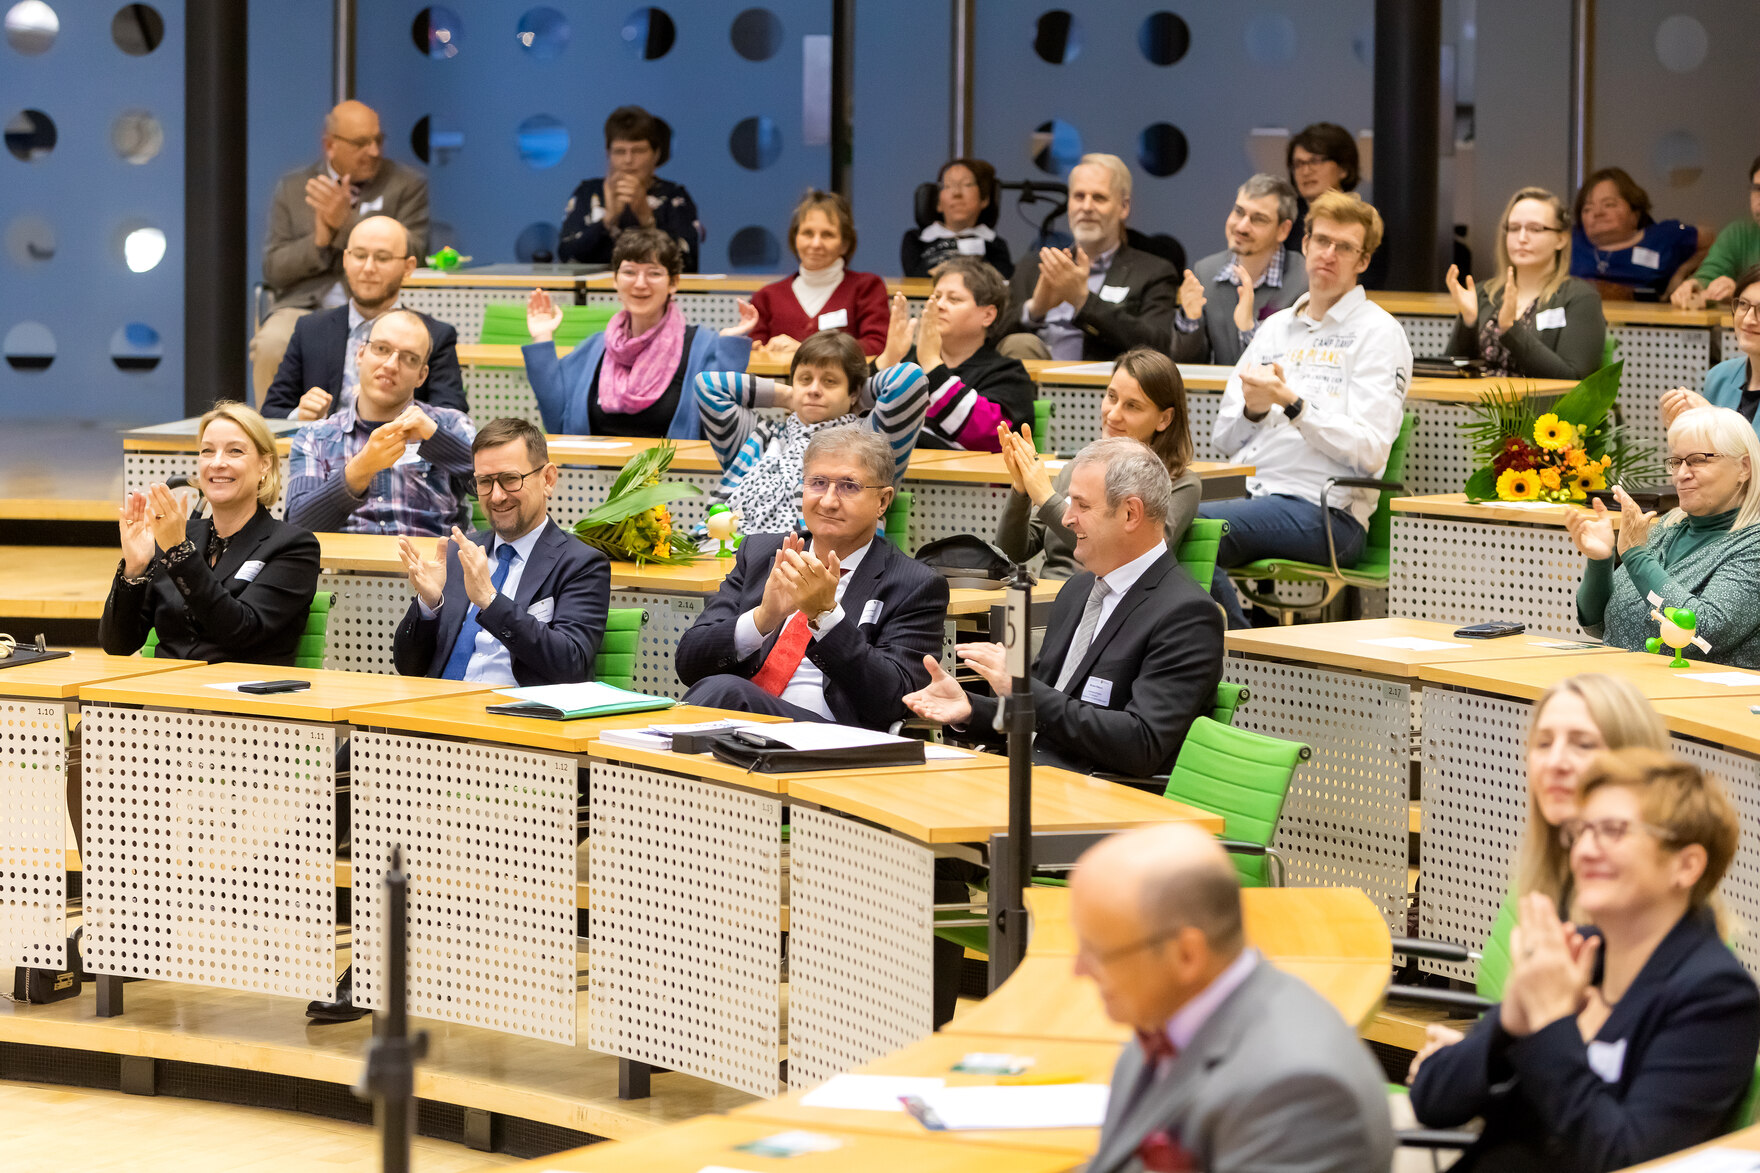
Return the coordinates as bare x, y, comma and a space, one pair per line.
1551, 479
1514, 485
1553, 433
1591, 476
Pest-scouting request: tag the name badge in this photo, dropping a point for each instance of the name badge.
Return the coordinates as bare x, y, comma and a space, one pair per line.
835, 320
1647, 257
870, 613
970, 246
543, 610
1607, 1059
1097, 691
249, 571
1114, 293
371, 206
1552, 319
412, 454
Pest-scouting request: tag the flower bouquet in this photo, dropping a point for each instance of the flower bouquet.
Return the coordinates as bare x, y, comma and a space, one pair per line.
1559, 456
634, 524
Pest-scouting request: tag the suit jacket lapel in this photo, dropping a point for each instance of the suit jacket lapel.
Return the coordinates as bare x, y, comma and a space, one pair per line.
864, 580
333, 348
244, 543
1121, 614
1119, 271
544, 555
1059, 637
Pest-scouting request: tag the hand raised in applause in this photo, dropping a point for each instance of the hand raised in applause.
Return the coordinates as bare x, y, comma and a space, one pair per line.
1679, 400
1634, 523
313, 405
473, 560
989, 661
329, 199
1591, 531
426, 578
543, 316
901, 330
1466, 297
1026, 472
780, 599
135, 523
1191, 296
168, 516
942, 700
1263, 388
748, 320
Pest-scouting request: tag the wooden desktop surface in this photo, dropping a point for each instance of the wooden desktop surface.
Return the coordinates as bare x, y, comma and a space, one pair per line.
1527, 679
1456, 505
1722, 720
1617, 313
710, 1142
467, 716
62, 678
55, 582
932, 773
986, 468
1343, 645
508, 355
331, 697
1746, 1140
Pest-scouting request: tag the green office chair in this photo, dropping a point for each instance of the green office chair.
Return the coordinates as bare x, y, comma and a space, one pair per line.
1042, 411
1229, 697
616, 662
1244, 777
898, 520
1197, 550
504, 323
313, 642
1372, 569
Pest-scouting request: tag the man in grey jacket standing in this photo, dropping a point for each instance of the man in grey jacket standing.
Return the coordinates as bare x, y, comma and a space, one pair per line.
313, 211
1226, 295
1237, 1066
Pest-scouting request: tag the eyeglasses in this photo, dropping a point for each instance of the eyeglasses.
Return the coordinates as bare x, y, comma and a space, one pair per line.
377, 140
409, 360
1744, 308
1343, 248
1305, 162
361, 256
1607, 832
959, 187
842, 486
1693, 460
1530, 229
510, 482
1112, 955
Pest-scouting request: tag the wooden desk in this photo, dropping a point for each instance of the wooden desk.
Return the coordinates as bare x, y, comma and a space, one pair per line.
1746, 1140
61, 679
1350, 645
712, 1142
330, 699
467, 717
1724, 720
1526, 679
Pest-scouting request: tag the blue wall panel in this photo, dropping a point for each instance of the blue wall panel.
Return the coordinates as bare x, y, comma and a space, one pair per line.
87, 194
901, 101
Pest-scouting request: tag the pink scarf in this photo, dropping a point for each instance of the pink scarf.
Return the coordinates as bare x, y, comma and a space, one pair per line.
638, 369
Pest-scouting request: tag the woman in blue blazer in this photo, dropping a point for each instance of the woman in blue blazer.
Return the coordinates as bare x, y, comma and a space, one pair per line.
1734, 382
635, 378
1627, 1040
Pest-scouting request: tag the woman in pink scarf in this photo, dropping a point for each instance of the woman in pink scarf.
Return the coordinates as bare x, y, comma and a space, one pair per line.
635, 378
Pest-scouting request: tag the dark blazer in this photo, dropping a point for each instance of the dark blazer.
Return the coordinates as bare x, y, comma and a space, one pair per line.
1144, 317
1160, 653
1274, 1079
1571, 351
213, 614
295, 269
1690, 1024
319, 348
569, 574
869, 664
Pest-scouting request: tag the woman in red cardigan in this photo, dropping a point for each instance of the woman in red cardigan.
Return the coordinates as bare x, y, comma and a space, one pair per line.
823, 295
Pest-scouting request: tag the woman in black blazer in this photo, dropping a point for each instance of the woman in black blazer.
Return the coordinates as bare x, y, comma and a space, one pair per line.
235, 587
1628, 1040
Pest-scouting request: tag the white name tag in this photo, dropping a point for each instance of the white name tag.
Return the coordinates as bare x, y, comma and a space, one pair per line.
371, 206
835, 320
870, 612
249, 571
412, 454
971, 246
1097, 691
1114, 293
1607, 1059
542, 610
1552, 319
1647, 257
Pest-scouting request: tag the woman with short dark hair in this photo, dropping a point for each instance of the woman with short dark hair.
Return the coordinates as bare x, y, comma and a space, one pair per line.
629, 195
1621, 248
822, 294
966, 188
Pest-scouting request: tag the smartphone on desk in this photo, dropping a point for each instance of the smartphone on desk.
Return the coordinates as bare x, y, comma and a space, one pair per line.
264, 687
1490, 630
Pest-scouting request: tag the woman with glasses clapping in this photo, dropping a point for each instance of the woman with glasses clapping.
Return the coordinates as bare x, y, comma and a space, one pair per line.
1733, 383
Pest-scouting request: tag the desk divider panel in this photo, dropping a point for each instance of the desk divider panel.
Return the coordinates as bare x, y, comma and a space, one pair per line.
491, 392
210, 853
34, 759
861, 945
488, 835
364, 617
1458, 571
580, 489
685, 966
669, 617
140, 469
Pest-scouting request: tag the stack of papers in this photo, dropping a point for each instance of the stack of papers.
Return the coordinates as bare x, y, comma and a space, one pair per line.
960, 1109
659, 737
569, 702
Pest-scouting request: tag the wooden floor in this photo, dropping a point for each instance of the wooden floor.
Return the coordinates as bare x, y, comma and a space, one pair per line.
45, 1129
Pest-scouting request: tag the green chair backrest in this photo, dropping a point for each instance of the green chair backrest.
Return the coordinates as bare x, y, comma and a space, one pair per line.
1242, 776
1042, 409
1494, 959
1743, 1116
479, 519
313, 641
898, 520
504, 323
1197, 551
1229, 697
1377, 555
616, 662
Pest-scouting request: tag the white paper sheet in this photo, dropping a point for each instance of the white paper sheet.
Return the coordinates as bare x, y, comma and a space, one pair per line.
1730, 679
869, 1093
942, 753
573, 697
1411, 643
822, 735
1054, 1105
234, 685
1714, 1160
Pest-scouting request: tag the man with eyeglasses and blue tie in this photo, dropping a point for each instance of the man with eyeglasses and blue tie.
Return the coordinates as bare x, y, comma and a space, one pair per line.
831, 629
319, 372
524, 603
384, 464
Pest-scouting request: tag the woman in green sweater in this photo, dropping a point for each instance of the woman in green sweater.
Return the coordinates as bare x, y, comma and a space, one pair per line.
1704, 557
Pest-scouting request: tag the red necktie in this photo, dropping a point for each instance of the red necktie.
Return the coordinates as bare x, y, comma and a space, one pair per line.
1159, 1151
785, 655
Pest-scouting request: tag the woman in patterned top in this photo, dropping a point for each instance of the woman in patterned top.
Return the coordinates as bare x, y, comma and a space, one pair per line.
828, 384
1533, 318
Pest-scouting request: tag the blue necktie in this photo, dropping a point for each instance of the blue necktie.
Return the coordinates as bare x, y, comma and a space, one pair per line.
466, 643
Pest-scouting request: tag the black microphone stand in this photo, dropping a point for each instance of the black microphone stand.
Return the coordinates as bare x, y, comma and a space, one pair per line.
1016, 710
389, 1079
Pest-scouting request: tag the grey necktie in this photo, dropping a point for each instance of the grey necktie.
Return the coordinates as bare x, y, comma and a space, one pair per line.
1078, 647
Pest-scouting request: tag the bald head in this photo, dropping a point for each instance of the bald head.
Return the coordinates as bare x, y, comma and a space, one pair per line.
353, 142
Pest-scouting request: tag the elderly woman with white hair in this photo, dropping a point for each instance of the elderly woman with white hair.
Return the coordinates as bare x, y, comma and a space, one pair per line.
1703, 557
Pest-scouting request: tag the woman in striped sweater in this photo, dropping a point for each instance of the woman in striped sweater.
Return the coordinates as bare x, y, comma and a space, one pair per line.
828, 384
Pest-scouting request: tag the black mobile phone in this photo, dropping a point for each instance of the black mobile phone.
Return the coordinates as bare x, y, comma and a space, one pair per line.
1490, 630
260, 687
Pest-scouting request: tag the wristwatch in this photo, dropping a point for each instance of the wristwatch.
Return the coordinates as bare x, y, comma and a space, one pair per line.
813, 621
1293, 409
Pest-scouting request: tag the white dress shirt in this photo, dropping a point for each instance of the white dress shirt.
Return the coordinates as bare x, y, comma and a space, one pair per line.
1351, 368
1123, 579
491, 663
806, 688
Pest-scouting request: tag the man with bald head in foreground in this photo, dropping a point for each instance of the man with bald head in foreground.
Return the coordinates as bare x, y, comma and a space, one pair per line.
1237, 1067
311, 215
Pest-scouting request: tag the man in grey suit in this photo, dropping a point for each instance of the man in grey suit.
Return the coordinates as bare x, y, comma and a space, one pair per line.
1237, 1067
1226, 295
310, 217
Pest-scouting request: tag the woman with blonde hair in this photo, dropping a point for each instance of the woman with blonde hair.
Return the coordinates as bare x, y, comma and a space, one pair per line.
1532, 318
1703, 557
234, 586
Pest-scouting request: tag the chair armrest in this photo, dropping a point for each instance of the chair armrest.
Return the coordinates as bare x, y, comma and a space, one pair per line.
1375, 483
1243, 847
1435, 1138
1434, 950
1451, 999
1379, 486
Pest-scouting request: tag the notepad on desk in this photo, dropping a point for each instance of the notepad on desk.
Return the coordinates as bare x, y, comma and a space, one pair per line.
964, 1109
572, 702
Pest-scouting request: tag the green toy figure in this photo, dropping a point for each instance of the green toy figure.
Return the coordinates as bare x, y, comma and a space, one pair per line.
1679, 628
446, 258
723, 526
